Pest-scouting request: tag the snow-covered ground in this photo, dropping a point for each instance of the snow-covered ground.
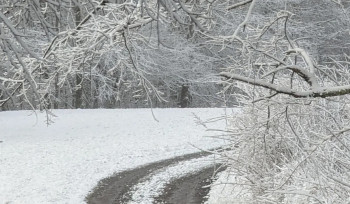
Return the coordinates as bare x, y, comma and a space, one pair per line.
61, 163
226, 190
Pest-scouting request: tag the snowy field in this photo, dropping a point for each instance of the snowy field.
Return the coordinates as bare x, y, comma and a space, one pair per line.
61, 163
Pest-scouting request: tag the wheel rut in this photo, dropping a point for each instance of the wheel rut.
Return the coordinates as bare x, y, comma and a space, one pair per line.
116, 189
190, 189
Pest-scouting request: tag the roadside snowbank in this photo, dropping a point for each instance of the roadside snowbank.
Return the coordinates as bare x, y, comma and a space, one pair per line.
62, 162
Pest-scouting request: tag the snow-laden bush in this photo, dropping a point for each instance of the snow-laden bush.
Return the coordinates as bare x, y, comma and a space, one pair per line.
293, 151
288, 147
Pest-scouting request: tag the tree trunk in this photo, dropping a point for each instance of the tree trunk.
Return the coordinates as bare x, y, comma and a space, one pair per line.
185, 96
79, 90
57, 93
78, 76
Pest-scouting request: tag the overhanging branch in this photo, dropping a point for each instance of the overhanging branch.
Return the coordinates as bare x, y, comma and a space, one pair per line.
321, 92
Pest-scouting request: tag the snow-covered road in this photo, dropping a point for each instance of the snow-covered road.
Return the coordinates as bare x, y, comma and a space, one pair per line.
61, 163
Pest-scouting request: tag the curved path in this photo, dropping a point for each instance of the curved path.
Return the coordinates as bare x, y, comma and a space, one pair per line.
186, 189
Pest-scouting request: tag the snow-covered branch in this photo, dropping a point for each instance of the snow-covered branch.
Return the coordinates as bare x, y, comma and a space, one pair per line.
321, 92
239, 4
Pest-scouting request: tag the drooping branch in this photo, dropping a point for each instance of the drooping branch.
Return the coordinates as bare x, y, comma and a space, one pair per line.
308, 77
321, 92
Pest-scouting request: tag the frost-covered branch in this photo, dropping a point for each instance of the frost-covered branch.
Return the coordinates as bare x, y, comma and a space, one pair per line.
239, 4
319, 92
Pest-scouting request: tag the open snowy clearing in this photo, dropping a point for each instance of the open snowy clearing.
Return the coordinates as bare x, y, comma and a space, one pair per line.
61, 163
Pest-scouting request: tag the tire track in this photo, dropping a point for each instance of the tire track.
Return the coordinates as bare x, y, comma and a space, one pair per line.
189, 189
117, 188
